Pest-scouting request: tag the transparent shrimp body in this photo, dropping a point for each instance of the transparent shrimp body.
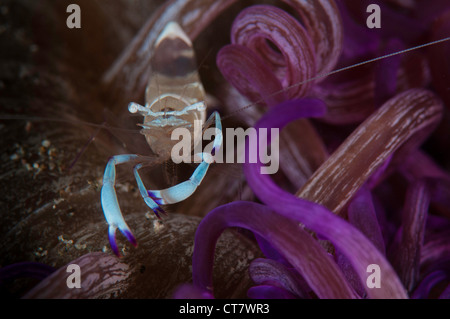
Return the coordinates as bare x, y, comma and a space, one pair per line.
175, 95
174, 99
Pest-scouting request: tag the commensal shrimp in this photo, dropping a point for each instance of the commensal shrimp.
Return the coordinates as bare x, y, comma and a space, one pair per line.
175, 98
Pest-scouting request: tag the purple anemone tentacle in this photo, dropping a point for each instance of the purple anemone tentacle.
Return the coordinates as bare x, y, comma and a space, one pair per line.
189, 291
270, 272
295, 62
249, 74
362, 215
303, 252
406, 256
350, 241
386, 72
269, 292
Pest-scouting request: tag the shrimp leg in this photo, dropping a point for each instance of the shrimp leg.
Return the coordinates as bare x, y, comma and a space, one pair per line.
110, 204
185, 189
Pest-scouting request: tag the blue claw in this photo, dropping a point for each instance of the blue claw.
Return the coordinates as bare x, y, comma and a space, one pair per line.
112, 238
154, 206
110, 204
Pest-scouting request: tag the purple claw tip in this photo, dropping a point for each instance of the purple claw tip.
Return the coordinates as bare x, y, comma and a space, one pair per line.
158, 200
159, 211
130, 237
112, 242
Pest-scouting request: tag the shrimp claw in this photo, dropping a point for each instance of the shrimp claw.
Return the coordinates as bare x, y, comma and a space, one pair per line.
110, 204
